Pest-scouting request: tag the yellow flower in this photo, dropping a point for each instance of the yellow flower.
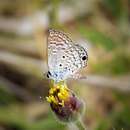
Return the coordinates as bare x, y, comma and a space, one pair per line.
58, 94
64, 103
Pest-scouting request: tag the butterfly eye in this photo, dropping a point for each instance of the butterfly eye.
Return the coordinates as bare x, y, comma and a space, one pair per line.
84, 58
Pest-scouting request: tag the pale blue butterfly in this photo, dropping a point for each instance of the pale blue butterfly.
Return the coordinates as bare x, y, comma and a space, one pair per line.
65, 58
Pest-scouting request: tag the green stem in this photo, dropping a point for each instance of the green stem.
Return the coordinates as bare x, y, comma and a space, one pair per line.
80, 125
53, 13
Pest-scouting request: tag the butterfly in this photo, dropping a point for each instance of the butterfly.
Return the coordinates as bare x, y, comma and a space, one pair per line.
65, 58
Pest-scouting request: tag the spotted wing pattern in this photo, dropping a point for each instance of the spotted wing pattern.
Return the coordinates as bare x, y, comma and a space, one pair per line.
64, 57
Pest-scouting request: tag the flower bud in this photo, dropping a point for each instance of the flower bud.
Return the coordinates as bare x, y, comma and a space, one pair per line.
64, 103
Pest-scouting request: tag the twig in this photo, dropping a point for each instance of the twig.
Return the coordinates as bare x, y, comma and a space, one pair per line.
122, 84
23, 64
19, 46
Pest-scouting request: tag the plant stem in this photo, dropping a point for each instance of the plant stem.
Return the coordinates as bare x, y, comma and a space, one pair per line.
80, 125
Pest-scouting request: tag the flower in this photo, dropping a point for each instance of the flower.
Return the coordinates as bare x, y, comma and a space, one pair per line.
64, 103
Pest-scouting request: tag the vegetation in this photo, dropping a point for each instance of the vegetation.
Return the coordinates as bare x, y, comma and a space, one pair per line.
103, 24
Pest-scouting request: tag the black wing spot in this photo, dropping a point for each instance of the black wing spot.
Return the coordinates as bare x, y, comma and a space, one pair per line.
66, 68
84, 58
47, 75
60, 65
63, 56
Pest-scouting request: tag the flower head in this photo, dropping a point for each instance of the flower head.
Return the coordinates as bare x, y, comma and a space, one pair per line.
64, 103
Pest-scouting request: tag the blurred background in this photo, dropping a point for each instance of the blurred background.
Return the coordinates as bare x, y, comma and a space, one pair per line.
103, 26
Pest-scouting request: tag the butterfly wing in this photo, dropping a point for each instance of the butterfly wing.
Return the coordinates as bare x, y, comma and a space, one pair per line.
83, 55
63, 56
57, 40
